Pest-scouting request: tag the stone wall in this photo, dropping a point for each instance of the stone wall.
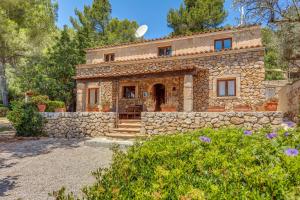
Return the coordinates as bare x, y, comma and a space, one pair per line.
159, 123
289, 100
79, 124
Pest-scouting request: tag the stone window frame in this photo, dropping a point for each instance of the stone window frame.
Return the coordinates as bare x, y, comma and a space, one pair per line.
121, 90
96, 95
165, 50
112, 57
227, 77
226, 87
223, 43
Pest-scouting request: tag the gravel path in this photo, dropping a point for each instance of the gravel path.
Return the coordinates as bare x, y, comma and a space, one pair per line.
32, 169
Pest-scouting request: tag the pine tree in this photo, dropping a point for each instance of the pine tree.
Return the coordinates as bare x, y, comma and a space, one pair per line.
196, 15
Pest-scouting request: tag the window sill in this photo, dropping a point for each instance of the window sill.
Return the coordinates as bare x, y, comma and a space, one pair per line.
129, 98
228, 97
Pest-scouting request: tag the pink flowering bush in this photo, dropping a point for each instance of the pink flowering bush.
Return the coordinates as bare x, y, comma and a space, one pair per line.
204, 164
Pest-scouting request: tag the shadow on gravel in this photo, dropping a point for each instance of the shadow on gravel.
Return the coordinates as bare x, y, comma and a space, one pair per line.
7, 183
3, 163
29, 148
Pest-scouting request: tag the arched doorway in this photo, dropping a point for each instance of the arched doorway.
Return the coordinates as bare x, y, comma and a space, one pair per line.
159, 95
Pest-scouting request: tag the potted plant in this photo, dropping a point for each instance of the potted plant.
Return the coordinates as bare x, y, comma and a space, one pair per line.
41, 102
170, 105
271, 104
105, 104
59, 106
55, 106
216, 109
150, 104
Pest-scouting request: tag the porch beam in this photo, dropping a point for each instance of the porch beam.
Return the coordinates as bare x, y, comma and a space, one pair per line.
188, 93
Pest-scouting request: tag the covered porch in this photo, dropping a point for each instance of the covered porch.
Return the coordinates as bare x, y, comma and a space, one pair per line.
161, 92
152, 89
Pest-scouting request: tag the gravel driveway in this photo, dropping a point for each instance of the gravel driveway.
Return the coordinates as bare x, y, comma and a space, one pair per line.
32, 169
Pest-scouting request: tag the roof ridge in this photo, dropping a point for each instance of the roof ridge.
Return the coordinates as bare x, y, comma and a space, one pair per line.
175, 36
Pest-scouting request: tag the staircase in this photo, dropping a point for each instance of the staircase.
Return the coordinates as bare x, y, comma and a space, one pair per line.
127, 129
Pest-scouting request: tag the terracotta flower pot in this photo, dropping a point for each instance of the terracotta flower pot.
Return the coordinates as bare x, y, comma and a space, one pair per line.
216, 109
168, 109
105, 109
59, 109
271, 106
41, 107
151, 109
242, 108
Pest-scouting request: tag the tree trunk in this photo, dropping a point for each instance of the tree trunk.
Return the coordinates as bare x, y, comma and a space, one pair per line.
3, 85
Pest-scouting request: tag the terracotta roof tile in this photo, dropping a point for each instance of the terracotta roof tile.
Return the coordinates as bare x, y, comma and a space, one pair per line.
177, 55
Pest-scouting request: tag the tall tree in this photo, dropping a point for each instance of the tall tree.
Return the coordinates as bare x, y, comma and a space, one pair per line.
196, 15
283, 18
271, 11
23, 25
95, 26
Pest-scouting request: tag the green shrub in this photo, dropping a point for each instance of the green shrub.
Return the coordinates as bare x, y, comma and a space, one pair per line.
52, 105
40, 99
3, 111
26, 119
233, 165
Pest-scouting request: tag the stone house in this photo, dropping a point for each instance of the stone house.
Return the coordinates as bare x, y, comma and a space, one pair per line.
196, 72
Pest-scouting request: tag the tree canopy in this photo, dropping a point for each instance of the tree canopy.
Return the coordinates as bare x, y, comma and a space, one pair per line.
24, 26
196, 15
51, 73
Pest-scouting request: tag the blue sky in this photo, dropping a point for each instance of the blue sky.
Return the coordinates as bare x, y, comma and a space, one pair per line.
150, 12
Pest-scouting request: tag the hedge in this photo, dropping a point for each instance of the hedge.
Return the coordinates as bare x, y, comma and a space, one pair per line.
205, 164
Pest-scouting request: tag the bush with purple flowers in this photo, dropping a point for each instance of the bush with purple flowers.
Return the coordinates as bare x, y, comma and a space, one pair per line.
205, 164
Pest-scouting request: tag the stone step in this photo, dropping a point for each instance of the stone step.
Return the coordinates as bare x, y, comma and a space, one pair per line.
134, 130
128, 125
129, 121
109, 142
124, 135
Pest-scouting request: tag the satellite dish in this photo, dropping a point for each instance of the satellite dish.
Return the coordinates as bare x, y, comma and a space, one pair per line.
141, 31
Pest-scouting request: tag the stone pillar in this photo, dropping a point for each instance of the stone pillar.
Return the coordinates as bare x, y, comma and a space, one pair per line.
188, 93
80, 101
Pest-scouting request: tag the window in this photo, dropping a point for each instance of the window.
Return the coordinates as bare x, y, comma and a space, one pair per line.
165, 51
109, 57
223, 44
93, 97
129, 92
226, 88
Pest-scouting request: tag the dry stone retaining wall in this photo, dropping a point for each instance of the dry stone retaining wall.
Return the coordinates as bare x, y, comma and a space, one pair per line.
159, 123
79, 124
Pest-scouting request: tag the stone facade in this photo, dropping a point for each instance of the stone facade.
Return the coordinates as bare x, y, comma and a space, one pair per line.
190, 72
79, 124
161, 123
246, 66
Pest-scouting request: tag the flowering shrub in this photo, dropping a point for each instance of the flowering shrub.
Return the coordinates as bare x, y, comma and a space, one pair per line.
205, 164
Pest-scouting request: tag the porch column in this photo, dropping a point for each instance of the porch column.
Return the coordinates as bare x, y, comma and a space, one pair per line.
188, 93
80, 97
